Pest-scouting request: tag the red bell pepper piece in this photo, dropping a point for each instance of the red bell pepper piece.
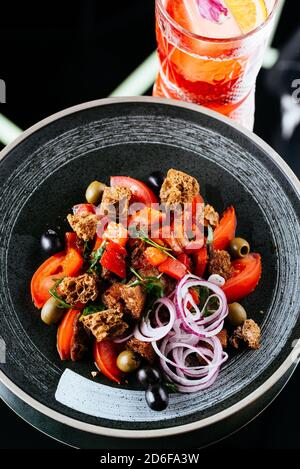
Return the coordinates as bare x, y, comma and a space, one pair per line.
186, 260
105, 355
155, 256
174, 268
201, 260
113, 259
80, 209
225, 231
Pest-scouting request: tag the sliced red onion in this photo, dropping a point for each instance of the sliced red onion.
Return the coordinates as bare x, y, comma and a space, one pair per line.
195, 321
190, 378
123, 339
145, 332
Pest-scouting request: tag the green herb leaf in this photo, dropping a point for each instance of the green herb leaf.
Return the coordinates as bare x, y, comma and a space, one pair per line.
93, 308
86, 250
204, 293
62, 304
172, 388
96, 257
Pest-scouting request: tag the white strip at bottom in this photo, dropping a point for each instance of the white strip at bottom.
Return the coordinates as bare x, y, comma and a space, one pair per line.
92, 398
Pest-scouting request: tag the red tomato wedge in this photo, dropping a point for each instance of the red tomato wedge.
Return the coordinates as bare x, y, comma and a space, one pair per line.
201, 260
247, 273
141, 193
173, 268
105, 355
65, 333
42, 279
225, 231
65, 263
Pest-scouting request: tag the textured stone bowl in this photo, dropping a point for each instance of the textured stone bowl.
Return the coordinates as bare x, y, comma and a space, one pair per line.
46, 171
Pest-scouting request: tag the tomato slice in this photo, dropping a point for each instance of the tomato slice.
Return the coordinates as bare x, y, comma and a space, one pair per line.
62, 264
141, 193
43, 278
105, 355
247, 273
201, 260
65, 334
225, 231
174, 268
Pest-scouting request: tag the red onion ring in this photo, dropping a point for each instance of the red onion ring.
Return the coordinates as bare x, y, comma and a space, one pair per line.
196, 322
145, 332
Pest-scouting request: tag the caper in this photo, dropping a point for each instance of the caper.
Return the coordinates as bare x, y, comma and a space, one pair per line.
239, 247
236, 314
128, 361
94, 192
51, 313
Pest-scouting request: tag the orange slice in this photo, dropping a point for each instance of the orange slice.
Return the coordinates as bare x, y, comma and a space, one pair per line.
249, 14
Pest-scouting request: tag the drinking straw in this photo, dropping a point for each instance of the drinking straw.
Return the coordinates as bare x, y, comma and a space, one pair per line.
8, 130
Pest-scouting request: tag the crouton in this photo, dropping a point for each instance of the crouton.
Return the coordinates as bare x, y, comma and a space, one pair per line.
84, 225
223, 337
211, 217
131, 298
144, 349
115, 202
80, 340
79, 289
178, 188
219, 263
105, 324
138, 248
248, 333
111, 297
134, 299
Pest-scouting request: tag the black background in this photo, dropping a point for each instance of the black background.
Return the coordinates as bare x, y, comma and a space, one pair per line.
59, 54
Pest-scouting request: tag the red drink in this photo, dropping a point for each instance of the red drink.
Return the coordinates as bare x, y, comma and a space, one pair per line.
212, 60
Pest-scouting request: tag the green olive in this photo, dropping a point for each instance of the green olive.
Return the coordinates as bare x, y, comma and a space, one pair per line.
128, 361
94, 192
236, 314
51, 313
239, 247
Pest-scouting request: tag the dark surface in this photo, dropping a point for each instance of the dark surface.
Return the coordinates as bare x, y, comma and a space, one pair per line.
62, 58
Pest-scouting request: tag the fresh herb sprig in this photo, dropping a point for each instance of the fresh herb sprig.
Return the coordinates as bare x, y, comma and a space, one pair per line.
92, 309
153, 286
61, 302
139, 234
96, 257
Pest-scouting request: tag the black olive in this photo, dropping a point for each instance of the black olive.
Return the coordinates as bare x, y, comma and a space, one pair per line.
148, 375
157, 397
51, 242
155, 181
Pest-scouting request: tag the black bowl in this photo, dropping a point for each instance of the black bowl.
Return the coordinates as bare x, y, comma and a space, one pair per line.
46, 171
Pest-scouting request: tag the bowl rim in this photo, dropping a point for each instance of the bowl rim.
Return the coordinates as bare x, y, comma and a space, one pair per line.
213, 419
